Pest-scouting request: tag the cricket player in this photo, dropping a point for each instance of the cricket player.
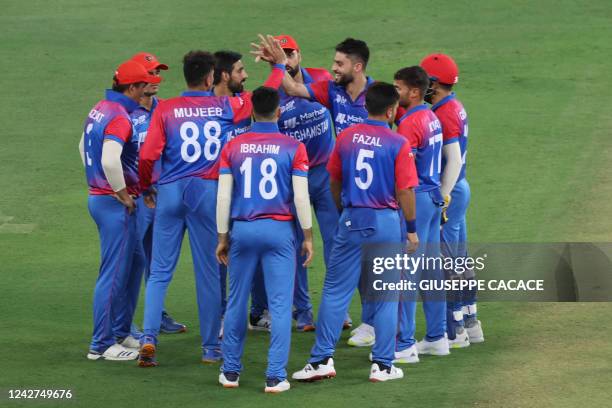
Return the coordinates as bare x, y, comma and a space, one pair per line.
188, 133
310, 123
373, 175
422, 129
443, 74
141, 117
111, 169
263, 173
344, 96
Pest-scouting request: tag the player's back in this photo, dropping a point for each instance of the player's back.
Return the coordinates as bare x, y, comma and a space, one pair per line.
195, 125
423, 130
454, 121
262, 163
367, 153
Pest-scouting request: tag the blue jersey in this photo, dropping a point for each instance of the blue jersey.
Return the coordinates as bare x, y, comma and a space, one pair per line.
454, 126
308, 122
372, 161
109, 119
262, 163
422, 129
141, 118
345, 111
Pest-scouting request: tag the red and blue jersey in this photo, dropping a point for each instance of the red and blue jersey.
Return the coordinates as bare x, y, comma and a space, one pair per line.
189, 131
239, 128
262, 163
345, 111
454, 126
372, 161
109, 120
141, 118
422, 129
308, 121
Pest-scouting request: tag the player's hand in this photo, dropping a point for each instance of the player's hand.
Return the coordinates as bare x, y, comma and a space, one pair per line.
150, 198
413, 242
269, 49
222, 249
307, 251
127, 200
444, 217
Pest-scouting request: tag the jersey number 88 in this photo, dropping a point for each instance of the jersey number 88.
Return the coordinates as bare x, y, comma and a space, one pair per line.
191, 150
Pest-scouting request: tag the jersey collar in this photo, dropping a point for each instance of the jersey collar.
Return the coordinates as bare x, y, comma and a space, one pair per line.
376, 122
264, 127
306, 76
413, 110
443, 101
128, 103
198, 93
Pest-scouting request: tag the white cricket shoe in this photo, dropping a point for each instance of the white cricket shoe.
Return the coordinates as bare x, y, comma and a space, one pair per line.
434, 348
408, 356
275, 386
130, 342
116, 352
358, 328
229, 380
475, 332
461, 340
391, 373
310, 373
364, 336
260, 323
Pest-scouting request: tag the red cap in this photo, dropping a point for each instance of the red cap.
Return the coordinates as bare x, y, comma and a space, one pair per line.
131, 72
149, 61
442, 68
287, 42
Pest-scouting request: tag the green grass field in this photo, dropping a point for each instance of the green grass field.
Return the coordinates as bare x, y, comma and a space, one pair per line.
535, 79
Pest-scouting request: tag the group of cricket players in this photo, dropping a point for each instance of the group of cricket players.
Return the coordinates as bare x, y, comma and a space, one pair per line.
241, 172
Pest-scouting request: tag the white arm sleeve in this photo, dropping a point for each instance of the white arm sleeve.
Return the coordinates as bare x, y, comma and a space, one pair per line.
301, 199
224, 202
452, 154
82, 148
111, 164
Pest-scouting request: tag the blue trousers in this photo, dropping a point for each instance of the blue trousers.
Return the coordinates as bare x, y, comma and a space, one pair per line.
270, 245
327, 218
454, 241
117, 231
342, 278
428, 231
188, 203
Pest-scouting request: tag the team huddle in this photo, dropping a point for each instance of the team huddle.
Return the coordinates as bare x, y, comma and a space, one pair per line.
242, 171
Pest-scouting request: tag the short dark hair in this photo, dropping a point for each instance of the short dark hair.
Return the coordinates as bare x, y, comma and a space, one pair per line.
265, 101
355, 49
224, 62
414, 77
380, 96
197, 65
121, 88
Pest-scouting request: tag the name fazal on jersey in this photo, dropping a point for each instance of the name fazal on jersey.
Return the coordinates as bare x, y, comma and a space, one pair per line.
366, 140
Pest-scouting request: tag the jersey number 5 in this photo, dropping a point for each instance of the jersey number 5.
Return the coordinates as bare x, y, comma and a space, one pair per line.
363, 165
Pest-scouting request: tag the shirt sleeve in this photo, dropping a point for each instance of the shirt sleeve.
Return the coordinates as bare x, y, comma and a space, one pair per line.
334, 165
398, 116
451, 127
224, 162
242, 106
275, 79
405, 169
300, 161
119, 129
411, 133
151, 149
319, 91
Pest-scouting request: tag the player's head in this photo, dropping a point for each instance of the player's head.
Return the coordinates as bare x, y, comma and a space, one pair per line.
381, 101
230, 70
131, 79
266, 104
153, 67
351, 59
199, 69
292, 51
443, 74
411, 84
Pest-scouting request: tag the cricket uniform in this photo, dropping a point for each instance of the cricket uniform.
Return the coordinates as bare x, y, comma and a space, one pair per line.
262, 163
308, 122
190, 131
454, 122
109, 120
371, 161
422, 129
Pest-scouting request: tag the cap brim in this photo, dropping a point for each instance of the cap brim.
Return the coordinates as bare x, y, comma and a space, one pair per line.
154, 79
163, 67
